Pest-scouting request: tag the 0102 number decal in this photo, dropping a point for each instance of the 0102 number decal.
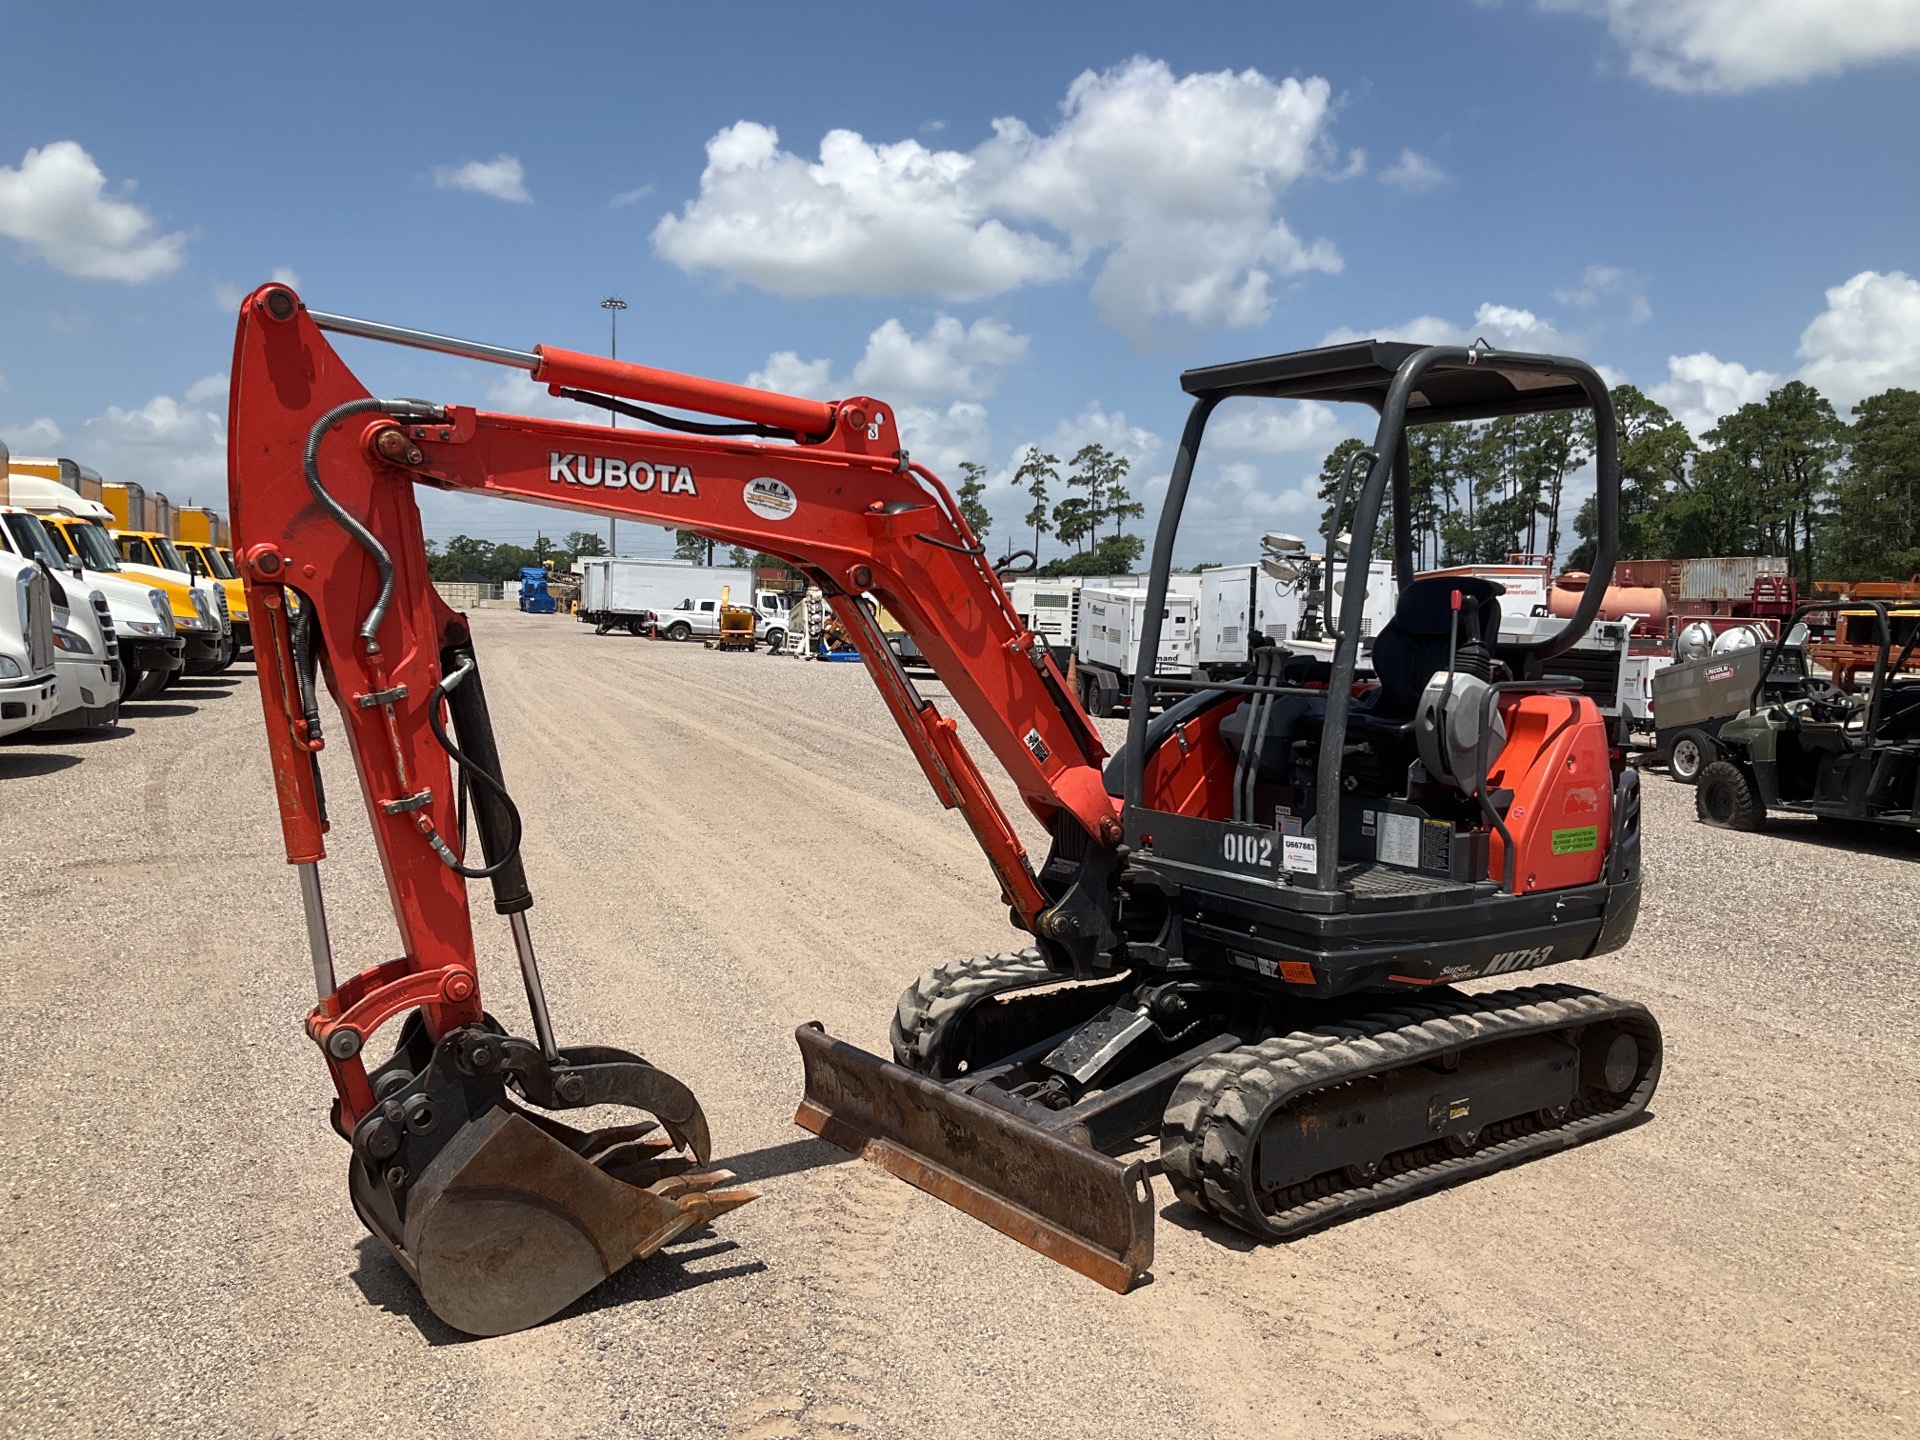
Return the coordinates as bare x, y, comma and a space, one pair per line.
1245, 848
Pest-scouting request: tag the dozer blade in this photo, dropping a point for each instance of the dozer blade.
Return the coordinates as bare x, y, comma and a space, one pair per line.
1073, 1204
504, 1216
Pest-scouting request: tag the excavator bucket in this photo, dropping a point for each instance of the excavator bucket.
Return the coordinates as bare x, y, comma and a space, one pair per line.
504, 1216
1086, 1210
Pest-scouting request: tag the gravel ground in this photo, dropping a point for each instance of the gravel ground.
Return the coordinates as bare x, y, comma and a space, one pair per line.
724, 846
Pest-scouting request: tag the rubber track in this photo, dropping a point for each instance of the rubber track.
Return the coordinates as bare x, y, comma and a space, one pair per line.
1213, 1122
936, 1002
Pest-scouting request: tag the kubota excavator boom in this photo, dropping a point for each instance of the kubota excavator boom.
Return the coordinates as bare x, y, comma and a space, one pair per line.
1180, 978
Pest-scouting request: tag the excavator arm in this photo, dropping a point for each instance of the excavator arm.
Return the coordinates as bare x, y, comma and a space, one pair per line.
328, 531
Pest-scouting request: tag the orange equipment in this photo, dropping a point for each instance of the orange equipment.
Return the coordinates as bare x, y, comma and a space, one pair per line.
1243, 935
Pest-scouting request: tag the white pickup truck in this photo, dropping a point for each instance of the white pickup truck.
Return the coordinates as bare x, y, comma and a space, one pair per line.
700, 619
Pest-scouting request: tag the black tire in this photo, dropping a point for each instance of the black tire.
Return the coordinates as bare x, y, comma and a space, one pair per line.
1106, 699
130, 677
1724, 798
679, 630
776, 641
227, 656
1691, 753
636, 626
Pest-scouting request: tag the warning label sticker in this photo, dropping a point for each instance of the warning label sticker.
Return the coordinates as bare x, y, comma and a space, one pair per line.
1399, 840
1575, 841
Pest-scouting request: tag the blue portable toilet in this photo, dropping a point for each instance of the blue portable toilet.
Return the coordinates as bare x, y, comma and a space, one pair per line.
534, 598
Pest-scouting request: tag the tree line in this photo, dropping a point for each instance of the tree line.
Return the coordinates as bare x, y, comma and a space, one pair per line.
1093, 498
465, 558
1838, 498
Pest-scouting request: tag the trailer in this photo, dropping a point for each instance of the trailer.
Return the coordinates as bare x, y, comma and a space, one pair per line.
1050, 606
1243, 609
1107, 656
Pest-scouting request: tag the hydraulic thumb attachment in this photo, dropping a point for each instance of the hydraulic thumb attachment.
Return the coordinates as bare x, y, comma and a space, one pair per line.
502, 1215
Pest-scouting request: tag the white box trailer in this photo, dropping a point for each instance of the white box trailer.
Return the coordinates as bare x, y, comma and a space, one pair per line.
627, 585
1108, 649
1240, 602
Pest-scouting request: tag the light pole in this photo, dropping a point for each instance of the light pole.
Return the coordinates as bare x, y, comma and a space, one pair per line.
613, 305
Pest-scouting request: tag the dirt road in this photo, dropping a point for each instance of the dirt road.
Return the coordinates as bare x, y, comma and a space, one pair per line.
723, 846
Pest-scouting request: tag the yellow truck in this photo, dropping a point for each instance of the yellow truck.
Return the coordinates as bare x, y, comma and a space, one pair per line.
152, 554
200, 535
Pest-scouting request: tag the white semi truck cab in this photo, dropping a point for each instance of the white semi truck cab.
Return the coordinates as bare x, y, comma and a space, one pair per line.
151, 652
86, 652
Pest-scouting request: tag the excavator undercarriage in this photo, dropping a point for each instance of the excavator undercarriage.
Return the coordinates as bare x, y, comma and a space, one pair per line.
1246, 934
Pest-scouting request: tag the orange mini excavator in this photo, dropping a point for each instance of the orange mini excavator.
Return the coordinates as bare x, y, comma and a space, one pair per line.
1242, 944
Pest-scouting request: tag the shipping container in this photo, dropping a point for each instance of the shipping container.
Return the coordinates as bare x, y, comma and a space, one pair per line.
1728, 577
1649, 574
160, 513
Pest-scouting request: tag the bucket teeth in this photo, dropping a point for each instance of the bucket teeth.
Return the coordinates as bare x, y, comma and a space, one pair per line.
697, 1203
503, 1214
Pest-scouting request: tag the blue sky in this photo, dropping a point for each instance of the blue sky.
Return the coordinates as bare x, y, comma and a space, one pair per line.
1016, 223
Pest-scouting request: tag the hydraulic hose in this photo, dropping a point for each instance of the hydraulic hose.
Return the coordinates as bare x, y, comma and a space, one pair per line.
471, 772
399, 410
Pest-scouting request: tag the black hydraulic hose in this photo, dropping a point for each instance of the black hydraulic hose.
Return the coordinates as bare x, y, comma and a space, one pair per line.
675, 422
470, 771
403, 410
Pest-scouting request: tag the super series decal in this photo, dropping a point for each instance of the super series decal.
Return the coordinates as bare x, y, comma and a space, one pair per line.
610, 473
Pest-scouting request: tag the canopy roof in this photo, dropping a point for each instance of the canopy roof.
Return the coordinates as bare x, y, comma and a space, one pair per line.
1495, 383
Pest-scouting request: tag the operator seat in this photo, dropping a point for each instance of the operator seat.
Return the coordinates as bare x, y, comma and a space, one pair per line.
1415, 644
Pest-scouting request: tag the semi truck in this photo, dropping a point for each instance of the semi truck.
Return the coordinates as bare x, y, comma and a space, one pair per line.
141, 612
85, 655
29, 683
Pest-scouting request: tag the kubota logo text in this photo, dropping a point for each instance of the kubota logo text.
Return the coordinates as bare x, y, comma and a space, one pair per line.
613, 474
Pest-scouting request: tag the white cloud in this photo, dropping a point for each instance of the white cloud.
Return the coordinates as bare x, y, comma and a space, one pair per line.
1229, 506
503, 177
1505, 327
1274, 426
1170, 185
34, 436
212, 387
1413, 172
1599, 283
1727, 46
940, 439
1867, 339
951, 359
1701, 388
787, 373
177, 447
631, 197
57, 207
